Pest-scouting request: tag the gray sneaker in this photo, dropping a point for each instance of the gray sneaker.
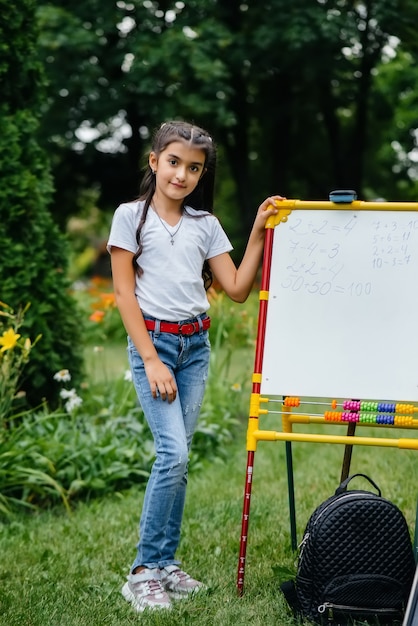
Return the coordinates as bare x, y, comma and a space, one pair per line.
145, 591
177, 583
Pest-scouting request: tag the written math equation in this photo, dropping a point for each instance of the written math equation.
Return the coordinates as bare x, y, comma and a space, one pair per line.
343, 294
340, 253
393, 241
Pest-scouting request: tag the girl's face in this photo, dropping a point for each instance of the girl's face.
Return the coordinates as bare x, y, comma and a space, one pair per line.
178, 169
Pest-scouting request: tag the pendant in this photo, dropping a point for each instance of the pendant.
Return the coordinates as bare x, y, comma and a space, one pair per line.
172, 241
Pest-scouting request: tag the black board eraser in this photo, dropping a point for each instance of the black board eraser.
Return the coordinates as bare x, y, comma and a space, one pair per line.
343, 196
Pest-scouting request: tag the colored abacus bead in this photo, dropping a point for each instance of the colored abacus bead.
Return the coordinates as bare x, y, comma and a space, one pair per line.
331, 416
405, 408
368, 417
384, 418
403, 420
351, 405
386, 407
368, 406
350, 416
291, 401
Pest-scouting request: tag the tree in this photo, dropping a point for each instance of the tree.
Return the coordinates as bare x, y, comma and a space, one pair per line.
34, 254
289, 90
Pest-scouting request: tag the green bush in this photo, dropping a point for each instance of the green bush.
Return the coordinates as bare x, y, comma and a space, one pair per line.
33, 267
97, 441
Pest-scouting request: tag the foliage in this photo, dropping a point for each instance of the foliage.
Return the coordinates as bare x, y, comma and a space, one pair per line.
231, 323
98, 448
21, 72
102, 322
395, 107
33, 265
66, 457
70, 569
292, 92
26, 475
97, 441
15, 351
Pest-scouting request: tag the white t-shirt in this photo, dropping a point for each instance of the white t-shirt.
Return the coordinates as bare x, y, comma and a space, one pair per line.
171, 287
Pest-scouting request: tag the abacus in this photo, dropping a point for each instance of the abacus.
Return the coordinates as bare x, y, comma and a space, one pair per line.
314, 262
363, 412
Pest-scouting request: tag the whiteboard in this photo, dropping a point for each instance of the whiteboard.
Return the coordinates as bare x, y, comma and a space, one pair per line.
342, 306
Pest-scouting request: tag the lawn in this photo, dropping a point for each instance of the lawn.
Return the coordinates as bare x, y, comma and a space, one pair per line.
67, 569
60, 570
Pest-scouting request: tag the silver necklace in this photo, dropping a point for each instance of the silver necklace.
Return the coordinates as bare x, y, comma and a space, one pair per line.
172, 235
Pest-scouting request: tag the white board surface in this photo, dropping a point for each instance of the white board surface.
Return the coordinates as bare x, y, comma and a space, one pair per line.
343, 306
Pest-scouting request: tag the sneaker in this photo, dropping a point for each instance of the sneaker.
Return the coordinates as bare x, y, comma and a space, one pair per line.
177, 583
145, 591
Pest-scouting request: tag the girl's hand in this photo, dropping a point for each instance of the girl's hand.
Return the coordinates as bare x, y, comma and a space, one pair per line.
160, 380
265, 210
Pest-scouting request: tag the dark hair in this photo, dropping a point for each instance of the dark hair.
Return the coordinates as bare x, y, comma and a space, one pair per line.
201, 198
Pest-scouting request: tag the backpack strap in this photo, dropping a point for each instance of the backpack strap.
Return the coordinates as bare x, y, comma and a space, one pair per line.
343, 486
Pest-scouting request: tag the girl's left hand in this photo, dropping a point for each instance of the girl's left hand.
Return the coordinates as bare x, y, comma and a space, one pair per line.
265, 210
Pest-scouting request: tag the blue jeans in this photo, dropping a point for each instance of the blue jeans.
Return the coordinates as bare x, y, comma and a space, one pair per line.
172, 426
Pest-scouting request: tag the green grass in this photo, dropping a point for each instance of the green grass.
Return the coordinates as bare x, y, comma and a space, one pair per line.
106, 362
61, 570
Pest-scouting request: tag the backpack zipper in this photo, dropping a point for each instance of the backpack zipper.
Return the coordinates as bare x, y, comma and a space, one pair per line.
307, 534
329, 608
303, 543
341, 498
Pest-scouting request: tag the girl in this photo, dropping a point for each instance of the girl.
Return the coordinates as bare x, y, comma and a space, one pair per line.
164, 249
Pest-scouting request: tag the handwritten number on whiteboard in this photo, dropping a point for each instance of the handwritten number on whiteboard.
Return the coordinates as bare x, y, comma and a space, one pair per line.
334, 251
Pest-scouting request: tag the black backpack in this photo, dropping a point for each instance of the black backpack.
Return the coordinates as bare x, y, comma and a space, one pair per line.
356, 561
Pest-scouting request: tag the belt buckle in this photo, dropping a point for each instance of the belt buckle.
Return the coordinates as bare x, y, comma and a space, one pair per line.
187, 329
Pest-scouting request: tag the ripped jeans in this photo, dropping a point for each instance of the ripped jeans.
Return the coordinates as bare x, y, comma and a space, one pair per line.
172, 426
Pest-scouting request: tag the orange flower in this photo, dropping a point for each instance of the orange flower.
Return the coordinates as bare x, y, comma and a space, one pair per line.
100, 282
108, 300
97, 316
104, 301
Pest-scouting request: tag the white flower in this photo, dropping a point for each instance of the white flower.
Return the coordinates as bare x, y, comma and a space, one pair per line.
128, 376
67, 393
63, 376
73, 402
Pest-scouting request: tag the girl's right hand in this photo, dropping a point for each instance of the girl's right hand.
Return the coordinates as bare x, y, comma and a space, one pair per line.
160, 379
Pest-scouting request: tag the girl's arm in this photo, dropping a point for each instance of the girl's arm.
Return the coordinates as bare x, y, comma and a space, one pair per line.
237, 283
159, 376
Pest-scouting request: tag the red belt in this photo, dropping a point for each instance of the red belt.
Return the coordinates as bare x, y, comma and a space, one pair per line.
179, 329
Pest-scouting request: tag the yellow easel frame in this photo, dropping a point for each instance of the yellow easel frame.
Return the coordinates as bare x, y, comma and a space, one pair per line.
254, 433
